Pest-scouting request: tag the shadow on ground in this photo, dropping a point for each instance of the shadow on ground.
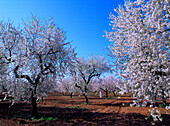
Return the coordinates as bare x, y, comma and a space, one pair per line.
20, 114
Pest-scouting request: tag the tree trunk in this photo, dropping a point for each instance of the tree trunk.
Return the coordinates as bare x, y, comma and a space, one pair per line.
87, 101
106, 93
71, 95
42, 98
163, 97
34, 105
114, 94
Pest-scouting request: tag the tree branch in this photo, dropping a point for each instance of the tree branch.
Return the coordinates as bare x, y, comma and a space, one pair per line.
22, 76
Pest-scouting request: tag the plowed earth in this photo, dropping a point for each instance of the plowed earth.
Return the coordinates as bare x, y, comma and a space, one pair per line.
61, 110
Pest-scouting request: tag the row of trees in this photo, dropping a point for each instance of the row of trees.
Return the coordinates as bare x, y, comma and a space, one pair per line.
38, 54
83, 74
105, 84
85, 70
34, 57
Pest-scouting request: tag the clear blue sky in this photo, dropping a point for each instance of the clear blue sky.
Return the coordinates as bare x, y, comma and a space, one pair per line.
84, 21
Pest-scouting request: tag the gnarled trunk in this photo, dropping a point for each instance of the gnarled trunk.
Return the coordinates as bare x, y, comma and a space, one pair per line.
34, 105
87, 101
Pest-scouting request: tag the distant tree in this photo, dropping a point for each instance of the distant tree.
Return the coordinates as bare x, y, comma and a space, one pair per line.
87, 69
106, 84
66, 85
36, 51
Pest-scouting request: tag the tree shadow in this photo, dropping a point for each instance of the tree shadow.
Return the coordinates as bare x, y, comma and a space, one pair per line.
115, 103
19, 110
74, 116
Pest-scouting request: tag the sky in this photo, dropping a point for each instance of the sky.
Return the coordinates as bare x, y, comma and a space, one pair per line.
84, 21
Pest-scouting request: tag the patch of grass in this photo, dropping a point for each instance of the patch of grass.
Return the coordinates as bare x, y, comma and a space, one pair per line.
162, 105
49, 118
86, 103
41, 119
33, 118
111, 97
76, 107
71, 107
10, 100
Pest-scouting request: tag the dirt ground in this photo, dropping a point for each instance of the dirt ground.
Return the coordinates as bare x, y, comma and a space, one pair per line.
59, 110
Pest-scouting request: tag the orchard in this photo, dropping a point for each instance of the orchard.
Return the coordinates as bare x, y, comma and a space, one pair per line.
43, 81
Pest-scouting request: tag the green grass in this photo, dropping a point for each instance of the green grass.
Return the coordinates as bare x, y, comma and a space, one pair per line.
33, 118
86, 103
76, 107
45, 119
162, 105
41, 119
49, 118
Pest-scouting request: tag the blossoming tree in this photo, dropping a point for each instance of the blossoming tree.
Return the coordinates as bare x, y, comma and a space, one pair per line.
37, 51
106, 84
66, 85
3, 75
140, 39
87, 69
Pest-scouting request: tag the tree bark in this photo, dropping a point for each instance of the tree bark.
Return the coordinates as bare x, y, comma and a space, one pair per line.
71, 95
106, 93
87, 101
34, 105
42, 98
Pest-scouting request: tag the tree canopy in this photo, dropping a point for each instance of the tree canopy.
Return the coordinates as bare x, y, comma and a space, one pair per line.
35, 51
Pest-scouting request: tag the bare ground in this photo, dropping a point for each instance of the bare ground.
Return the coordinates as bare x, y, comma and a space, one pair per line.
59, 110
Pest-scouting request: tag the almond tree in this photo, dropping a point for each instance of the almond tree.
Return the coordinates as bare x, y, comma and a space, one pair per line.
66, 85
109, 84
4, 65
3, 75
106, 84
87, 69
2, 69
140, 39
36, 51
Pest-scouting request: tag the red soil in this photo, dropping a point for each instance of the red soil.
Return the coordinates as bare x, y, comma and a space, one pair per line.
67, 111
